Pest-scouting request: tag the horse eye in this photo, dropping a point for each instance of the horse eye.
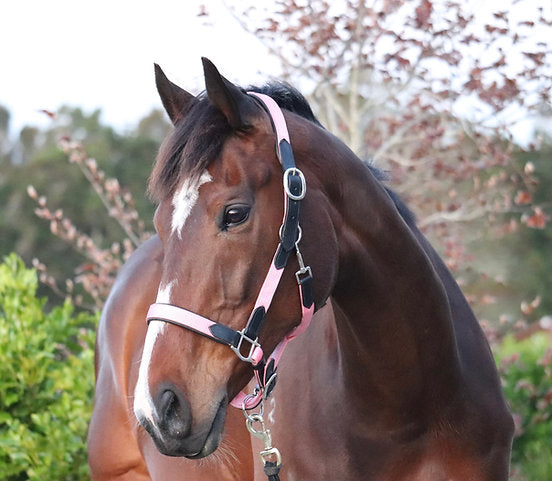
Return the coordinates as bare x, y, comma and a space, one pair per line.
235, 215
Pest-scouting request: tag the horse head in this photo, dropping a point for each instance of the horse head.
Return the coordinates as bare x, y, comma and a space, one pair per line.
218, 185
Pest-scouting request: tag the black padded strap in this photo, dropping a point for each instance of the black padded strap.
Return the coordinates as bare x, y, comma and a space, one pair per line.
225, 334
305, 284
290, 227
255, 322
286, 152
281, 258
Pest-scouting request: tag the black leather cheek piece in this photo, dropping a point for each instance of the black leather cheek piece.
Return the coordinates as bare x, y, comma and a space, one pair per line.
225, 334
290, 228
306, 291
255, 323
288, 161
270, 377
281, 258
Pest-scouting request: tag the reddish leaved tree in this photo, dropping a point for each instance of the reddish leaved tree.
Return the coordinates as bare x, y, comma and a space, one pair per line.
433, 93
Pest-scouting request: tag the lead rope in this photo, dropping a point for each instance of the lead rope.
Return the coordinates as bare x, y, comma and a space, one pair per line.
270, 456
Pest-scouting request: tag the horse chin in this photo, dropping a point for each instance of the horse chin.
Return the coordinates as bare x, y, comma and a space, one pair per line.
213, 438
192, 446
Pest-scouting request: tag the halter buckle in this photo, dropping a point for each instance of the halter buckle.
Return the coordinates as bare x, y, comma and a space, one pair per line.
295, 172
253, 355
271, 453
304, 270
303, 274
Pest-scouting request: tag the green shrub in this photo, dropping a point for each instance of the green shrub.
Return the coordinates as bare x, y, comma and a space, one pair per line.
526, 372
46, 382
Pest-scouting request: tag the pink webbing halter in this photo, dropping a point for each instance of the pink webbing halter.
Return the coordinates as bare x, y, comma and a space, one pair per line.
290, 236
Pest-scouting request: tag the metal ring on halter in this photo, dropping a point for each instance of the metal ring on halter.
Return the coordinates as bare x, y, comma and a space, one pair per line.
269, 385
260, 404
256, 418
295, 171
299, 234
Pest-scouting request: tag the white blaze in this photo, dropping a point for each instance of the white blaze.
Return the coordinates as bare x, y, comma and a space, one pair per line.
143, 403
164, 293
183, 203
184, 200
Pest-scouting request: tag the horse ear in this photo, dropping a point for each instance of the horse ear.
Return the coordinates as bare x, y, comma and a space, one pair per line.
228, 98
176, 101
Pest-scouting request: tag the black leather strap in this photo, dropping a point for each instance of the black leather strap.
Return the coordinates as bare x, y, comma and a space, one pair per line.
286, 152
255, 322
225, 334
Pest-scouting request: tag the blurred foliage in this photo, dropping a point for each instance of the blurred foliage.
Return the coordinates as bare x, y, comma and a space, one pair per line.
526, 369
46, 382
36, 158
530, 264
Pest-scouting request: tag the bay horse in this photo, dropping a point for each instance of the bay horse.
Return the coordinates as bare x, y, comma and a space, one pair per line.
392, 381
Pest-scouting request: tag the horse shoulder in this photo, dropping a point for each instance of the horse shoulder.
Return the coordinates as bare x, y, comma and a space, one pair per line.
478, 418
120, 337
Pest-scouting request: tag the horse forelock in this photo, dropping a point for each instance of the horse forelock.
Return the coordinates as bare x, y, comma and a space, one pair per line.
188, 149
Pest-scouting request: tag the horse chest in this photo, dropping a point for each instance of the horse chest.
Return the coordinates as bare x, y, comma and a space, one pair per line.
317, 447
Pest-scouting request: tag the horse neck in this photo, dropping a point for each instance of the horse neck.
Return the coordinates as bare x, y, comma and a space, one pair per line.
397, 347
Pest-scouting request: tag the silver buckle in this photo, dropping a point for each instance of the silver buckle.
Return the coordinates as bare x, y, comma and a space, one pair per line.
303, 269
301, 272
295, 171
264, 434
237, 349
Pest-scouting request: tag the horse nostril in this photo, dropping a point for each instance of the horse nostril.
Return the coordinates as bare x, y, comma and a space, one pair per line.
174, 412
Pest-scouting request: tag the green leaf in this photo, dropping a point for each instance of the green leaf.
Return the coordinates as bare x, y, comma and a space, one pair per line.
46, 382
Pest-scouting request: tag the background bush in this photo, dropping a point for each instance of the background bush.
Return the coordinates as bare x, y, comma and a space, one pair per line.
46, 382
526, 372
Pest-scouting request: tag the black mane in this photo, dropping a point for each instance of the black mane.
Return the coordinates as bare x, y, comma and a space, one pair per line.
288, 98
199, 139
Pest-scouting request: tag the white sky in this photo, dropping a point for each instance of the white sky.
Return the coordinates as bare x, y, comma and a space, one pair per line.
100, 54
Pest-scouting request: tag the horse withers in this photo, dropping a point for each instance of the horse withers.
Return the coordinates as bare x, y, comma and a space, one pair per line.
392, 381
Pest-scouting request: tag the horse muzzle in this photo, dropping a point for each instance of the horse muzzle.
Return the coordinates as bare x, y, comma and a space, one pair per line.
172, 428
